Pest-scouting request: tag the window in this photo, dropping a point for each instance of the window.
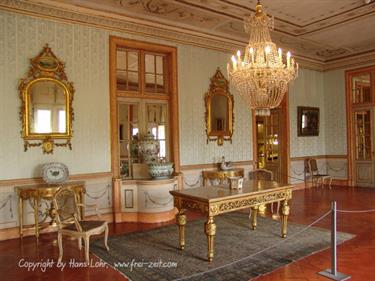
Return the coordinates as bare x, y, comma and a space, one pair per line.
43, 121
127, 74
155, 75
62, 121
144, 96
361, 89
135, 67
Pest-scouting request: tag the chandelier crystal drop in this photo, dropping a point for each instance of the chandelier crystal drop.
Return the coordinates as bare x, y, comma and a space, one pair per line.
260, 75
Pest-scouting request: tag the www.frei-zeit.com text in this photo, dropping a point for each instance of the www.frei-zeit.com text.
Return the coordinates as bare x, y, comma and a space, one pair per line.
44, 265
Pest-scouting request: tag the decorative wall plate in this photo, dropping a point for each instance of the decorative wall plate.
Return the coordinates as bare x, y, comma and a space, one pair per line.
55, 172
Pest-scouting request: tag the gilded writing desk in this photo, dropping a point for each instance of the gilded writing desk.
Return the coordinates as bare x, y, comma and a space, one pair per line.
36, 193
216, 200
221, 175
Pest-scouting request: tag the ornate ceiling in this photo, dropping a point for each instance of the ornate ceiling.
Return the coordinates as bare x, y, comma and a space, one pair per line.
321, 31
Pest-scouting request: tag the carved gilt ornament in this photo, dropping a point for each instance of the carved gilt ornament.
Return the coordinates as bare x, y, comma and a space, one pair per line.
219, 110
46, 109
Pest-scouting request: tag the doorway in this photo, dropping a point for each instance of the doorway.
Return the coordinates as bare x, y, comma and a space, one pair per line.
360, 94
363, 147
271, 142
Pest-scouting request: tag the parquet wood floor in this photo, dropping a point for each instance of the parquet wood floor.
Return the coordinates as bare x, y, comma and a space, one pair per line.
356, 256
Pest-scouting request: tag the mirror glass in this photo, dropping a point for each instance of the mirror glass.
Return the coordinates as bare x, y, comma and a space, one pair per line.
128, 118
47, 108
156, 124
219, 112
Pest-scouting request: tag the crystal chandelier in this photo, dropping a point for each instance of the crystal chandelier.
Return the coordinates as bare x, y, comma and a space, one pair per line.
260, 76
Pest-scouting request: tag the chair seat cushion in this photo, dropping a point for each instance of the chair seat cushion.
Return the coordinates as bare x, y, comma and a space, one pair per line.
86, 225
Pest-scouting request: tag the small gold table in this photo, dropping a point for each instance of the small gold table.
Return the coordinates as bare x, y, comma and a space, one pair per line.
221, 175
37, 192
216, 200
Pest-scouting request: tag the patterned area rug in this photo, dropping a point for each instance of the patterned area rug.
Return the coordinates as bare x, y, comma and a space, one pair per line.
154, 254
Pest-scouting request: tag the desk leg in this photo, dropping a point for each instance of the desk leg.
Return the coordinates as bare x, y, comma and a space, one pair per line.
254, 213
36, 210
20, 215
210, 230
181, 221
284, 217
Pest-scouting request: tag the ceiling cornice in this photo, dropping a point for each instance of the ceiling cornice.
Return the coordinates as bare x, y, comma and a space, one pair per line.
120, 23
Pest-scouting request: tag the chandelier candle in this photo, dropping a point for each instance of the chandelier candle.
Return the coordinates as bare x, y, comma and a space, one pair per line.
260, 76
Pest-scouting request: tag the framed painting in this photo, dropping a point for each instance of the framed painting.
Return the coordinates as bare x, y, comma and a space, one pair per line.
308, 121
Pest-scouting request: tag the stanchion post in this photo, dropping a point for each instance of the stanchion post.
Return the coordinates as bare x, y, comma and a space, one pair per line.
333, 273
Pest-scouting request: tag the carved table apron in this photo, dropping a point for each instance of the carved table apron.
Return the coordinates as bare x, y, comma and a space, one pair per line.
37, 192
221, 175
216, 200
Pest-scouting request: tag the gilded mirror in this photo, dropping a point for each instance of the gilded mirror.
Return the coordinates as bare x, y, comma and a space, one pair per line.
219, 110
46, 104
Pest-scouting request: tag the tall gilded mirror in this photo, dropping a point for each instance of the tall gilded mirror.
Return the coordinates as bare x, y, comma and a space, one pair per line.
46, 104
219, 110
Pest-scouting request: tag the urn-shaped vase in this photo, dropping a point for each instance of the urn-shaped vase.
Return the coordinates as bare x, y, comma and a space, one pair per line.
149, 148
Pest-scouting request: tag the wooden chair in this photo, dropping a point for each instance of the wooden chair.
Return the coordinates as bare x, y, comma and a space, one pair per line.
316, 177
70, 222
264, 174
306, 171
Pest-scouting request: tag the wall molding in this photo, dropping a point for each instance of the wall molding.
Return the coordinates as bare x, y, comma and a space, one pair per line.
150, 181
89, 176
301, 158
121, 23
39, 180
214, 165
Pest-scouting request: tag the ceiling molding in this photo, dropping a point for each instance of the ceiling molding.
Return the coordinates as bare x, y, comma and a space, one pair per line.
116, 22
350, 62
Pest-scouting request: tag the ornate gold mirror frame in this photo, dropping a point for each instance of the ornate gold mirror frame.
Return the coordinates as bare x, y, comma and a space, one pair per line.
46, 109
219, 110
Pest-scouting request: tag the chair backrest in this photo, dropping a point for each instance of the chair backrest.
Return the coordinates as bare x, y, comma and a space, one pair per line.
261, 174
307, 165
67, 211
313, 166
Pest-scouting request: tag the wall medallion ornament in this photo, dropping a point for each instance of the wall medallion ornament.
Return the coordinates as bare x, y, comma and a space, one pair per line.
46, 109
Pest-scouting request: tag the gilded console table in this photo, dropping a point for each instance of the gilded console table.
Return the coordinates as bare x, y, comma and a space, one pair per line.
37, 192
216, 200
221, 175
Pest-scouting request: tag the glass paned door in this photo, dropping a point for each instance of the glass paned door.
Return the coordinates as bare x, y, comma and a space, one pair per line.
268, 142
363, 146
